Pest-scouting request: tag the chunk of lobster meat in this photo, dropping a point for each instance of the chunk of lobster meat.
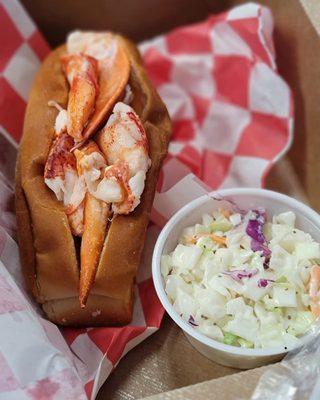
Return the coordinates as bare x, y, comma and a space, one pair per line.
114, 72
90, 159
117, 186
99, 45
82, 74
90, 165
136, 187
96, 215
115, 183
60, 175
76, 222
61, 121
110, 184
60, 170
119, 175
124, 139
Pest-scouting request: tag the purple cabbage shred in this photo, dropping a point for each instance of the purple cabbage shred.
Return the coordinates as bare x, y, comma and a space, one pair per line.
192, 321
238, 274
255, 231
262, 283
266, 263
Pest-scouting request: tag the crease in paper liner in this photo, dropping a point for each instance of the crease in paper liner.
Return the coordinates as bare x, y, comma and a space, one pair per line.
216, 143
168, 203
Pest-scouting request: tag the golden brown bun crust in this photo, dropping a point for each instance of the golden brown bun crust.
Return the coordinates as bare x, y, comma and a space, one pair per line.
47, 247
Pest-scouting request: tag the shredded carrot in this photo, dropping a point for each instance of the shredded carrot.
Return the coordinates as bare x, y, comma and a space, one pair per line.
315, 309
219, 239
314, 287
314, 284
226, 213
191, 240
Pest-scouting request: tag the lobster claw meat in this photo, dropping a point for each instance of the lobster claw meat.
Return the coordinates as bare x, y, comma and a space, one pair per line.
82, 74
96, 86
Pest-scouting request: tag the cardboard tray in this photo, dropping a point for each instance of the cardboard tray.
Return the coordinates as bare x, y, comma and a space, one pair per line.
166, 361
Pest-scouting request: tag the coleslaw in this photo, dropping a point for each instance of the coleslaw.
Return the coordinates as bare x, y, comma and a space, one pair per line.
245, 280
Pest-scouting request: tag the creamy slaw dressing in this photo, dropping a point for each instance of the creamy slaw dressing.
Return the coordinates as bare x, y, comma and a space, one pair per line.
242, 279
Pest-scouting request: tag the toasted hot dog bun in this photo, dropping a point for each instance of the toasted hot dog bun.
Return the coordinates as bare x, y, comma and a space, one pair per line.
49, 252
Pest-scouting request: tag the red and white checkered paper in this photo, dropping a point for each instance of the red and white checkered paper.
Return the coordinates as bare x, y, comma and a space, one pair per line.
232, 119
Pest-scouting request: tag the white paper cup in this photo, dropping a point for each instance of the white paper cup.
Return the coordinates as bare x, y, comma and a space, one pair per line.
245, 198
